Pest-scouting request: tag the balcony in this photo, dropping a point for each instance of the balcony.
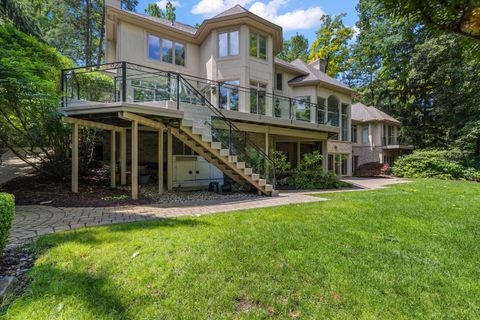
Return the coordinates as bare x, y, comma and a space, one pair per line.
129, 83
395, 142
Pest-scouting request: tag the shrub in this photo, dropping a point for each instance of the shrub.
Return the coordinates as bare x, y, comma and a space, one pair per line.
309, 174
442, 164
7, 211
372, 169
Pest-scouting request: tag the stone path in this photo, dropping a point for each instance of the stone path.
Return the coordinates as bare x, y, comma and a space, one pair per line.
33, 221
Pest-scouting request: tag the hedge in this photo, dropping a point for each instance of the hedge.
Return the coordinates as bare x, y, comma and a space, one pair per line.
7, 212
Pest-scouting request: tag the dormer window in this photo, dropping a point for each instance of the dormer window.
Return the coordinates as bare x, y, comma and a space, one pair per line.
228, 43
258, 46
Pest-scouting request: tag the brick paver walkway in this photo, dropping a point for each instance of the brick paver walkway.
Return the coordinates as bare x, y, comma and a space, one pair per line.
33, 221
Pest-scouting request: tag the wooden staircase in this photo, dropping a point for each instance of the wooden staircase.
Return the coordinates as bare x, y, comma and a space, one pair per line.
198, 137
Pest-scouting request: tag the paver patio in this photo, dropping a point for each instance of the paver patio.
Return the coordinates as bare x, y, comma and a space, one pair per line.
35, 220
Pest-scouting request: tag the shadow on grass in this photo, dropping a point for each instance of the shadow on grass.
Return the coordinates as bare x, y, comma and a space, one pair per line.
110, 233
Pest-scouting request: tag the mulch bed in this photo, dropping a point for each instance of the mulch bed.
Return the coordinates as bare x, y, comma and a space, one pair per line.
94, 191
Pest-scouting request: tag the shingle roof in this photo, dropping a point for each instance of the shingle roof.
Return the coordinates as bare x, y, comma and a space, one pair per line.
232, 11
288, 65
314, 75
176, 25
363, 113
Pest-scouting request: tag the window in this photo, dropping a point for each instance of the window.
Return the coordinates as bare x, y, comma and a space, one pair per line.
331, 163
344, 122
365, 134
228, 43
166, 50
333, 116
258, 94
258, 46
279, 82
321, 110
354, 163
302, 108
344, 164
229, 95
354, 134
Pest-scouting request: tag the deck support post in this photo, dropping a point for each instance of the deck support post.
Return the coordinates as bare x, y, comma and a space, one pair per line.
75, 158
134, 160
325, 156
267, 149
113, 160
299, 149
160, 161
169, 159
123, 157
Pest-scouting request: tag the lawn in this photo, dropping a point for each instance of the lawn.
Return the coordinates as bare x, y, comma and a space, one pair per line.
410, 251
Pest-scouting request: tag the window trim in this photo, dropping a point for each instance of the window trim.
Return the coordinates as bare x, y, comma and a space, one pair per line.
229, 55
174, 43
277, 82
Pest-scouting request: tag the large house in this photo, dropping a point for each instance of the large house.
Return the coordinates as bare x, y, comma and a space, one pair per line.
202, 104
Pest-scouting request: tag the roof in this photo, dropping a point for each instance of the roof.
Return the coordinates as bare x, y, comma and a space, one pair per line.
315, 76
363, 113
288, 65
175, 25
237, 9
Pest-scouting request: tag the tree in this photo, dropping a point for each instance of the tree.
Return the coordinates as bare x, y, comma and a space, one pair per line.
332, 44
75, 27
14, 11
170, 12
453, 16
154, 10
295, 48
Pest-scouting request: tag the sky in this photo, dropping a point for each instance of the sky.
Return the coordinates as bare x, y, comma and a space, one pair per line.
295, 16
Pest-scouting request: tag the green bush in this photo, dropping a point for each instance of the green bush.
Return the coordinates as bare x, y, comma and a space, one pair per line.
7, 211
431, 163
309, 174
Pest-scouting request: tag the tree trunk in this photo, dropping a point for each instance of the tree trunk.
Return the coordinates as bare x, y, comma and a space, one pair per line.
102, 35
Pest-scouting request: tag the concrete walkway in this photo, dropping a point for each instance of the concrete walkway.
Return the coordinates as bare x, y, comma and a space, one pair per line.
33, 221
11, 167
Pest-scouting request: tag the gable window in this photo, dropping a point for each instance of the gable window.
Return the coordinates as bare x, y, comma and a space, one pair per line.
258, 46
279, 82
228, 43
165, 50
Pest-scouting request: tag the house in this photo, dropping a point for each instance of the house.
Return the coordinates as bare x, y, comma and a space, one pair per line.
375, 136
217, 96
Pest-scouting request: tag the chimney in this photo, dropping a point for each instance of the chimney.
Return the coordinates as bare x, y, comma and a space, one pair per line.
319, 64
113, 3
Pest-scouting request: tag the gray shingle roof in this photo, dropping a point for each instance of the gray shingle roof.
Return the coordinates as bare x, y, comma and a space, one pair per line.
314, 75
176, 25
288, 65
232, 11
363, 113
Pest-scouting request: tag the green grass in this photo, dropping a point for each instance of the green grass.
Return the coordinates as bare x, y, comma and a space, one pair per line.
410, 251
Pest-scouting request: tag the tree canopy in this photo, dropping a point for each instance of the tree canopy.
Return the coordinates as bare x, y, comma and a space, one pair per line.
295, 48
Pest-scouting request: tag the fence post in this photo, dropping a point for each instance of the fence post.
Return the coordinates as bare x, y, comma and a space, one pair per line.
218, 99
290, 109
230, 138
124, 81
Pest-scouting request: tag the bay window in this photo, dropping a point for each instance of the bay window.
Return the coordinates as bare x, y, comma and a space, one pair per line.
165, 50
228, 43
258, 45
258, 94
229, 95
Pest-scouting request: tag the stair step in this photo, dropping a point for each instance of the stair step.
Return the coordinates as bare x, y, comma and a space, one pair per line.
206, 138
268, 187
275, 193
198, 130
233, 158
255, 176
262, 182
187, 123
224, 152
248, 171
241, 165
216, 145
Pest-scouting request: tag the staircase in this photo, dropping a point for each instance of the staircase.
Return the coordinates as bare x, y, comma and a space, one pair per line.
195, 132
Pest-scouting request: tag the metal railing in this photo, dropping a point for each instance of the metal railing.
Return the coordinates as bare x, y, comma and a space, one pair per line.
128, 82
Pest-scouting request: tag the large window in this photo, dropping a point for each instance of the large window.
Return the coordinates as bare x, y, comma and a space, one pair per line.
258, 94
354, 134
302, 108
333, 116
258, 46
228, 43
166, 50
229, 95
365, 135
321, 110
